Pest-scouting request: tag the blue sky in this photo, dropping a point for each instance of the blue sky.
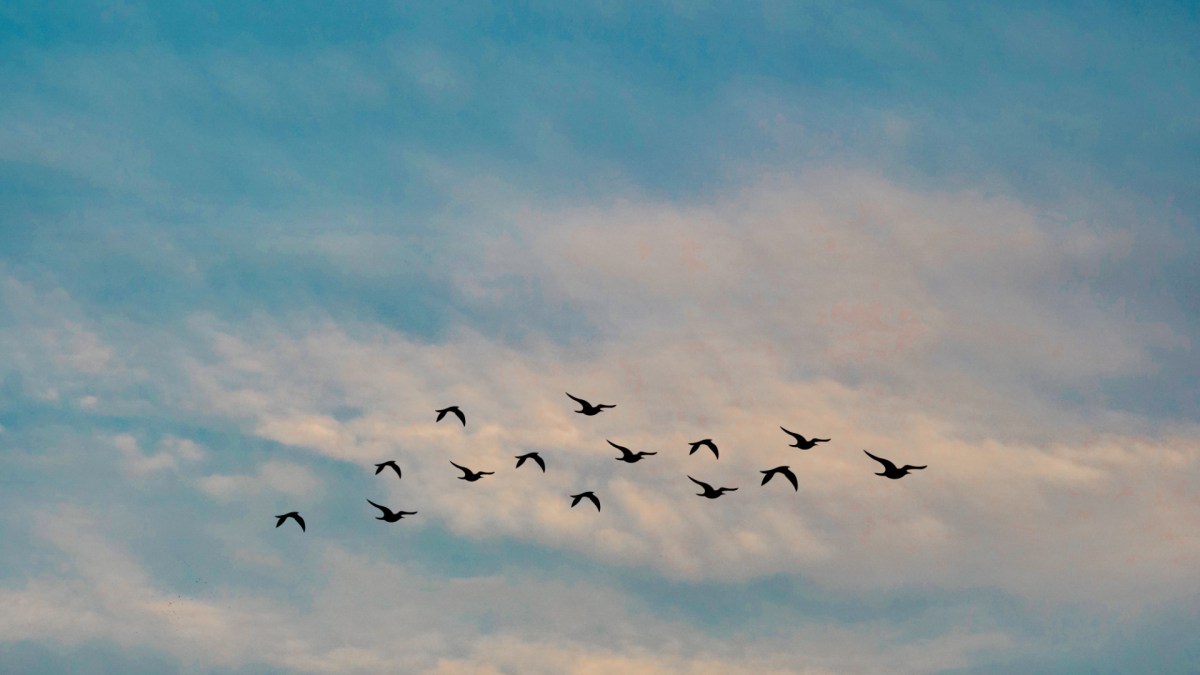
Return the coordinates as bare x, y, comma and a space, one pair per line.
246, 252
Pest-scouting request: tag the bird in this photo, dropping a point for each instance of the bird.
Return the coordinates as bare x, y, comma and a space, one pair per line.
785, 472
802, 442
589, 494
383, 465
293, 515
535, 457
587, 408
472, 476
707, 442
452, 409
627, 455
890, 470
389, 515
708, 489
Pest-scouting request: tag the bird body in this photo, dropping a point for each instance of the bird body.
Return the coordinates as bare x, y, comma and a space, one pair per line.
585, 495
890, 470
708, 489
294, 516
471, 476
628, 455
706, 442
389, 515
534, 456
451, 409
802, 442
587, 408
783, 471
390, 463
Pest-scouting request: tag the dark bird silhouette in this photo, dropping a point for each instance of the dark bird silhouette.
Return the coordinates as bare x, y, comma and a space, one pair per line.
802, 442
535, 457
628, 456
785, 472
294, 516
587, 408
706, 442
589, 495
452, 409
389, 515
390, 463
708, 489
890, 470
471, 476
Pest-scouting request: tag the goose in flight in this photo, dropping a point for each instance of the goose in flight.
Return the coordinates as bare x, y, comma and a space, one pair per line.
452, 409
471, 476
535, 457
628, 456
587, 408
390, 463
708, 489
890, 470
294, 516
588, 495
388, 515
706, 442
802, 442
783, 471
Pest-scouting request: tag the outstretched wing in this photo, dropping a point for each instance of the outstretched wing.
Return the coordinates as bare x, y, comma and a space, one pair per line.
787, 473
767, 475
407, 513
624, 450
595, 500
910, 466
379, 467
797, 436
521, 460
461, 417
300, 521
701, 483
578, 400
386, 510
887, 465
463, 469
540, 462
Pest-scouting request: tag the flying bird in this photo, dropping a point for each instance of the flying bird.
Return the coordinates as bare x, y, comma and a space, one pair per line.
535, 457
706, 442
294, 516
708, 489
589, 495
587, 408
471, 476
628, 456
890, 470
389, 515
452, 409
802, 442
390, 463
783, 471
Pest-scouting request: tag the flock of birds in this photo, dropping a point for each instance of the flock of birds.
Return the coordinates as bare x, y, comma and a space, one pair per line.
890, 470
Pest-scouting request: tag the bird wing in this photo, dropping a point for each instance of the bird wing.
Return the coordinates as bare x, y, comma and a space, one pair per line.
397, 468
767, 475
624, 450
910, 466
578, 400
521, 460
441, 414
461, 417
300, 521
606, 405
462, 468
540, 462
485, 473
575, 498
379, 467
407, 513
595, 500
695, 447
729, 489
713, 446
886, 463
701, 483
386, 510
792, 433
647, 453
787, 473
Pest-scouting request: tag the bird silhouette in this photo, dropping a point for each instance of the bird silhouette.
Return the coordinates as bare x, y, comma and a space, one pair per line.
535, 457
890, 470
785, 472
706, 442
452, 409
389, 515
589, 494
390, 463
294, 516
587, 408
802, 442
471, 476
708, 489
628, 456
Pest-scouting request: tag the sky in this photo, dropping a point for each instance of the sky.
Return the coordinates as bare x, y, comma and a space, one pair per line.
246, 252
